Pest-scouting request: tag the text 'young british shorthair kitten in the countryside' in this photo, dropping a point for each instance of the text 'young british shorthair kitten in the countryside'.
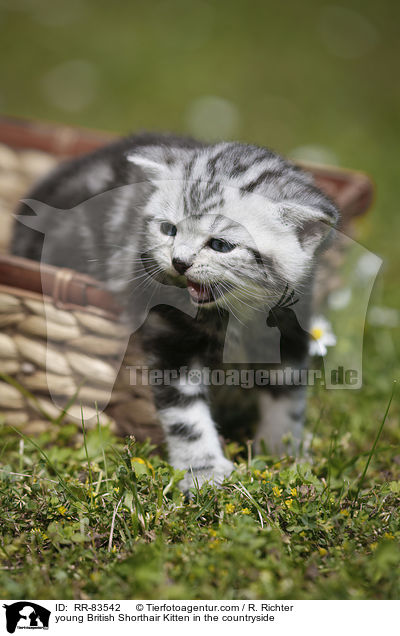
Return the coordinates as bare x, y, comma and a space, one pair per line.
235, 229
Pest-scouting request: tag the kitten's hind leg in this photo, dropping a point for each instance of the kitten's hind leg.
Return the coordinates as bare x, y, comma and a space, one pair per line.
281, 419
191, 435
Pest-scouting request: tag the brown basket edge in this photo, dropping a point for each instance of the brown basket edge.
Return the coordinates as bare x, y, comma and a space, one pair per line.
39, 273
62, 140
58, 139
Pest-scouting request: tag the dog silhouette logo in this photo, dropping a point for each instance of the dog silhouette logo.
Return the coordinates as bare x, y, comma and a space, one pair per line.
26, 615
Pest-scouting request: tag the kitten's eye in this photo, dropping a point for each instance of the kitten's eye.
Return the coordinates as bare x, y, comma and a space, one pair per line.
219, 245
168, 228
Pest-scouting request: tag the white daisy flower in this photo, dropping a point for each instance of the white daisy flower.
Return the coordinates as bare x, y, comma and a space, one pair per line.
322, 336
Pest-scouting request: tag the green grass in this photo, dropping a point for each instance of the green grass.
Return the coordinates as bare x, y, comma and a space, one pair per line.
97, 517
291, 89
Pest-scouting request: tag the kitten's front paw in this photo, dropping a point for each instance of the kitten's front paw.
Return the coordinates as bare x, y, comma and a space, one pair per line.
196, 477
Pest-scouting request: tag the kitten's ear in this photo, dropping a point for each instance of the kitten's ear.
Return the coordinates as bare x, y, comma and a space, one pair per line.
313, 233
314, 226
154, 168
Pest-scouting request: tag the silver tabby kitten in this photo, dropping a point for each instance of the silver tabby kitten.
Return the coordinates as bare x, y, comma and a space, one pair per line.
236, 226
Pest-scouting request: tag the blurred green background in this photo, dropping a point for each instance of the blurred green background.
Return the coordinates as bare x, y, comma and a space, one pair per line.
313, 80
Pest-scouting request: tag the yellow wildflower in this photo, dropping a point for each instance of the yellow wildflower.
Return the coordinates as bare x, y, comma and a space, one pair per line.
277, 491
293, 492
322, 551
62, 510
245, 511
229, 508
289, 502
344, 512
144, 462
388, 535
316, 333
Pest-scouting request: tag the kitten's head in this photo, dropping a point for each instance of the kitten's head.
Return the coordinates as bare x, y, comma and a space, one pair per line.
234, 223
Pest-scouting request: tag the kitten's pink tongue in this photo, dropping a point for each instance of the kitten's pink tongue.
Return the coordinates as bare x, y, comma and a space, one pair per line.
197, 291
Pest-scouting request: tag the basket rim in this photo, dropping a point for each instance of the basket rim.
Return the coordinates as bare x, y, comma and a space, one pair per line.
64, 288
354, 189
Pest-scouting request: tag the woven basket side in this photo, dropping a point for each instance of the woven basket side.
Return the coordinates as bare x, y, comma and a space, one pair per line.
49, 356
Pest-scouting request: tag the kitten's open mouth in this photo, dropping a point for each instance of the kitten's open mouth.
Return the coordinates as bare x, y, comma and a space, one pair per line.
202, 294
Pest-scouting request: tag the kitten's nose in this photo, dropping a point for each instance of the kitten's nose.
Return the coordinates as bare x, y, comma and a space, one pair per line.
180, 266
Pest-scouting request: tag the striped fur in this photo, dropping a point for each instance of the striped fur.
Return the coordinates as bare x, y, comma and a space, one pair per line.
233, 223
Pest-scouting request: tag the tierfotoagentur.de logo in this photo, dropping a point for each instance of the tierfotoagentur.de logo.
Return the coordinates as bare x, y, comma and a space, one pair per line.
26, 615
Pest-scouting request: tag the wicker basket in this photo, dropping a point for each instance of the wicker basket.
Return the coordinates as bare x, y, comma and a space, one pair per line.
54, 322
62, 344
